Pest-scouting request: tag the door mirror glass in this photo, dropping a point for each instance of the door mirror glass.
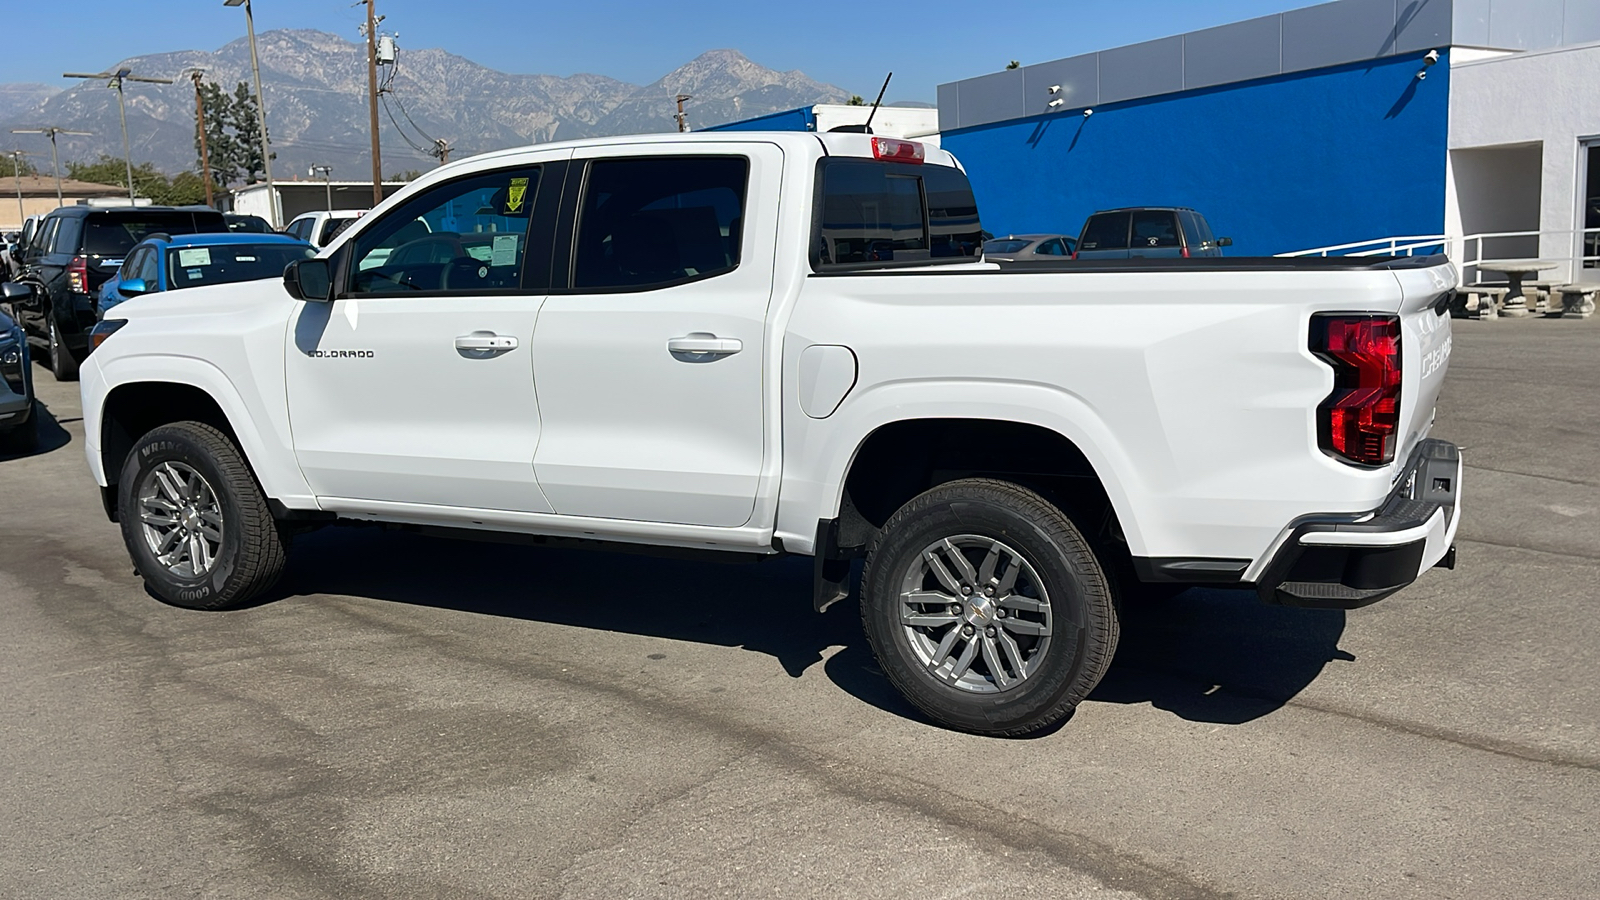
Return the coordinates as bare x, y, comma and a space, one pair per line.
1225, 242
133, 287
309, 279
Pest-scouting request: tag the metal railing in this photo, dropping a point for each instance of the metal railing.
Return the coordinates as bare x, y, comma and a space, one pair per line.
1469, 250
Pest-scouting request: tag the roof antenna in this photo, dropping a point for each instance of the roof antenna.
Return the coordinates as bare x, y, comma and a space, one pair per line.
866, 128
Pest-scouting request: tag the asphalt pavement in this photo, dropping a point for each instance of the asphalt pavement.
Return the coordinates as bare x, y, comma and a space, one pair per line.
421, 717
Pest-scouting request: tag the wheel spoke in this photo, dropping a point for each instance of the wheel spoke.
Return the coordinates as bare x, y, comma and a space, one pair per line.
1019, 603
1008, 645
164, 546
1025, 626
991, 658
963, 566
1008, 581
942, 572
164, 519
990, 561
927, 620
167, 484
199, 553
964, 661
942, 653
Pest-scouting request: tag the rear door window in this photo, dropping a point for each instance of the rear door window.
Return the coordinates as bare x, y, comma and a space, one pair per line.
65, 239
1205, 229
1052, 247
1154, 228
1191, 232
657, 221
1105, 231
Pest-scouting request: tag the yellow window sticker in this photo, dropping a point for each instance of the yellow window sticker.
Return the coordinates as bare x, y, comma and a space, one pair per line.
516, 195
189, 257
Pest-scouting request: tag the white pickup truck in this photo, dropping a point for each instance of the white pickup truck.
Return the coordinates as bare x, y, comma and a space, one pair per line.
789, 344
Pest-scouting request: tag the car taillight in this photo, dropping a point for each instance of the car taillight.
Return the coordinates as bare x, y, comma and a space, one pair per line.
78, 275
898, 151
1360, 420
1185, 252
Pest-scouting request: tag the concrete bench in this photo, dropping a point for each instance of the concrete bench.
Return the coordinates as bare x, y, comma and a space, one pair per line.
1577, 301
1481, 302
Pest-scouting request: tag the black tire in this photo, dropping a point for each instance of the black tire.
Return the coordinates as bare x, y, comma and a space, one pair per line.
63, 365
21, 437
251, 553
1081, 621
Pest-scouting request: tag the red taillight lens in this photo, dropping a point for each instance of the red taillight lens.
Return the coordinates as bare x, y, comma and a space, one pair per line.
1361, 418
78, 275
1186, 253
898, 151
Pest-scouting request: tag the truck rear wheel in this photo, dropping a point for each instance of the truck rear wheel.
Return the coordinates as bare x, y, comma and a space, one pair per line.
987, 609
195, 522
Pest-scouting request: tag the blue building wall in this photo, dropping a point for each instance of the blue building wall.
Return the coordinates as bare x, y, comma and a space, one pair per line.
802, 119
1285, 163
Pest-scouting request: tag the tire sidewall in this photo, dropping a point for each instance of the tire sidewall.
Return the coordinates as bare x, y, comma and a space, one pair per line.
207, 591
1066, 580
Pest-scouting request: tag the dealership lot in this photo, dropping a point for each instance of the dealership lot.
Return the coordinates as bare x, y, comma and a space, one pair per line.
413, 716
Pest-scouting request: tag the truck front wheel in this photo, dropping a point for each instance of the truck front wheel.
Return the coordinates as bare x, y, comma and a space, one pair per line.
196, 523
987, 609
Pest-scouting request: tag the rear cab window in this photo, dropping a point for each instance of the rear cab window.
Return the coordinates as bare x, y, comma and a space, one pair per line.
229, 263
1105, 231
871, 214
1155, 228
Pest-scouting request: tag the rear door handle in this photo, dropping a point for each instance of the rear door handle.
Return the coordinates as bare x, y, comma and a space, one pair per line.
704, 344
484, 340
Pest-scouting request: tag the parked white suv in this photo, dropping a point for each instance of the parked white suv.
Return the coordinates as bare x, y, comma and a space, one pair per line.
787, 344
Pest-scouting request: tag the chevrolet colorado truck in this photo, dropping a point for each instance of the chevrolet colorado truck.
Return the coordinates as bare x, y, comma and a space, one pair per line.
768, 344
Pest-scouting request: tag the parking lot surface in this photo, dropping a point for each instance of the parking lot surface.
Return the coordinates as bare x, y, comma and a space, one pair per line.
419, 717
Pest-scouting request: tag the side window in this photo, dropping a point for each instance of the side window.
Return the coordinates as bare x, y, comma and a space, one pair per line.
1155, 228
66, 236
1205, 229
1191, 232
657, 221
464, 237
1105, 231
149, 267
130, 265
331, 229
47, 234
1052, 247
953, 226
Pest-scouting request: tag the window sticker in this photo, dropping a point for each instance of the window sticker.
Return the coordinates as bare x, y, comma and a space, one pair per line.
244, 259
505, 246
195, 274
194, 256
516, 195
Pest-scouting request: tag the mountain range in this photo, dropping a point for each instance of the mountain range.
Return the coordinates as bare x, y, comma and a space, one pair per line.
316, 96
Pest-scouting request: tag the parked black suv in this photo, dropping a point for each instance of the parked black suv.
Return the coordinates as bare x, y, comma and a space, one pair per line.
71, 253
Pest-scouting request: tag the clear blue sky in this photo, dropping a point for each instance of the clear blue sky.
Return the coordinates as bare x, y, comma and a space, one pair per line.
850, 44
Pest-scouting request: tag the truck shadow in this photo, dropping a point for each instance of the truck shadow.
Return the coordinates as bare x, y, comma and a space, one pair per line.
1210, 656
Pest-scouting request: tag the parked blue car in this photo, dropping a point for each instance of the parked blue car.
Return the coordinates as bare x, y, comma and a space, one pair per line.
170, 263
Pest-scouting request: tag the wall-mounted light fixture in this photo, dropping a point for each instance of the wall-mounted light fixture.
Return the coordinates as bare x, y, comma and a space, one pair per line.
1430, 59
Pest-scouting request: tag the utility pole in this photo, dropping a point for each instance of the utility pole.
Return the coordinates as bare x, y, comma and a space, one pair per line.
55, 162
326, 172
372, 99
682, 117
16, 173
117, 78
261, 114
200, 127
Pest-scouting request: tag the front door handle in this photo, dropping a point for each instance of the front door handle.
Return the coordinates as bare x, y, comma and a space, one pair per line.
486, 340
703, 345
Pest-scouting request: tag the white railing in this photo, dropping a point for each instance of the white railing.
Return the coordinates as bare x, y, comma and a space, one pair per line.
1467, 251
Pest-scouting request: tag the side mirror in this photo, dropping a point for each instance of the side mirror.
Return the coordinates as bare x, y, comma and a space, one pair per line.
13, 290
1224, 242
309, 279
132, 287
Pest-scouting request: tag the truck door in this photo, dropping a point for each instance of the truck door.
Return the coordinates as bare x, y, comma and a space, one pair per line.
648, 355
415, 386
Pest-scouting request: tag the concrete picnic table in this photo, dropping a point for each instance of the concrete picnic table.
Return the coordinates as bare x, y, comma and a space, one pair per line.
1516, 270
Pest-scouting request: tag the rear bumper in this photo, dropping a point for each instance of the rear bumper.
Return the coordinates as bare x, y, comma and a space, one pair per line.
1345, 562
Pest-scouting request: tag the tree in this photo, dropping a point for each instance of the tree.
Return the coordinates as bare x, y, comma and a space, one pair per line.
10, 164
1013, 65
856, 100
407, 175
185, 189
233, 135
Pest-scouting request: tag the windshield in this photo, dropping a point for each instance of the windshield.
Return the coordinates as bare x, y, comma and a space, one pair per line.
1004, 245
194, 266
114, 233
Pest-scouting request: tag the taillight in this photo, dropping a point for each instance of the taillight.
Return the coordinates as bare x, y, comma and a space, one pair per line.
1185, 252
78, 275
1360, 420
898, 151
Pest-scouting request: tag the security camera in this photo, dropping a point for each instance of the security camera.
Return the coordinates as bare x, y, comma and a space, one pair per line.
1087, 113
1431, 58
1055, 88
1055, 103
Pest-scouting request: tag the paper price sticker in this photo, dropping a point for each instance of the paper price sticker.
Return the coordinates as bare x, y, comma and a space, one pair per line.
194, 256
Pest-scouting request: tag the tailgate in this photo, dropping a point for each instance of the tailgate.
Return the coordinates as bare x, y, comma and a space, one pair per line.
1424, 348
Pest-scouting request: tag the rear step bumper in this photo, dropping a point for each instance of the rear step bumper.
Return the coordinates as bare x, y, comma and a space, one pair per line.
1335, 562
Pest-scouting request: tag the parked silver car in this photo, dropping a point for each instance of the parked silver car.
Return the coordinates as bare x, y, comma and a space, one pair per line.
1030, 246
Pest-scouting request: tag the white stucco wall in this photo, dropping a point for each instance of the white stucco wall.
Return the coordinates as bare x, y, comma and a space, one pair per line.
1548, 97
